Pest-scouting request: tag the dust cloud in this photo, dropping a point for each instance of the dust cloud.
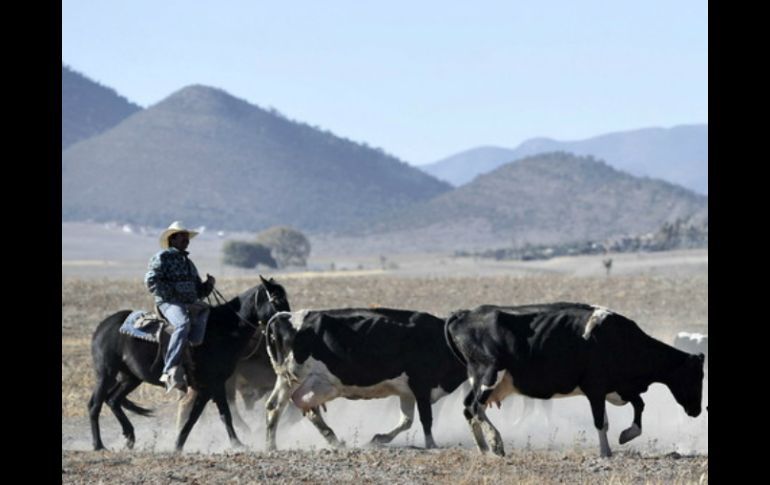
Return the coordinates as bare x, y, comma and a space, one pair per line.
665, 427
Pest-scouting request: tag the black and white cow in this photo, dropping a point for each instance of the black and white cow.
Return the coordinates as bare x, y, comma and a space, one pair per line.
360, 353
566, 349
693, 343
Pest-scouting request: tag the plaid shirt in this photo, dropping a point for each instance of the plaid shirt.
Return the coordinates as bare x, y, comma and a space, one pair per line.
173, 278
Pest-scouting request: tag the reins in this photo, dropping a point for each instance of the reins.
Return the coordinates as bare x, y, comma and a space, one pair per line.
260, 331
221, 301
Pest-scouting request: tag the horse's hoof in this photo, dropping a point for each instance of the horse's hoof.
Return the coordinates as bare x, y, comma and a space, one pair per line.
130, 444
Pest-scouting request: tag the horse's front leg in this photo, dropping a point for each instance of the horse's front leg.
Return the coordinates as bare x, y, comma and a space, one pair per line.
201, 398
220, 399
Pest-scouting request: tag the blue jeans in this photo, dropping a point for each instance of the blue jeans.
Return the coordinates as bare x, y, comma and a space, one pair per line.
185, 327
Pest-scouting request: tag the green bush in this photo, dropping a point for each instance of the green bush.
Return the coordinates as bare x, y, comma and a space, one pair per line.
288, 246
247, 254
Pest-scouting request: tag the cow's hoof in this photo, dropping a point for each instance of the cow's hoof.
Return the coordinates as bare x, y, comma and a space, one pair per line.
380, 439
338, 445
629, 433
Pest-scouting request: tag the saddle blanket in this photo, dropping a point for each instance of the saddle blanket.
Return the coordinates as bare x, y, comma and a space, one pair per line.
145, 325
146, 330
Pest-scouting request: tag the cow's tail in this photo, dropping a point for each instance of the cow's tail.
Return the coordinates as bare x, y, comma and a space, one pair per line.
448, 336
135, 408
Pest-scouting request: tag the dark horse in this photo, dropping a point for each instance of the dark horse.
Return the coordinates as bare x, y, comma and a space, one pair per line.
122, 362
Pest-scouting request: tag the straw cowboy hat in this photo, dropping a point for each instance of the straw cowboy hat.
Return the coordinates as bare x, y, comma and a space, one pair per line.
174, 228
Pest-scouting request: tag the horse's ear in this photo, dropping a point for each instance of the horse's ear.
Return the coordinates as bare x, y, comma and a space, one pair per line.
264, 281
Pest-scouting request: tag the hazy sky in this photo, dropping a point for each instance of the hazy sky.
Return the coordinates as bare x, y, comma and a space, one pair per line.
421, 79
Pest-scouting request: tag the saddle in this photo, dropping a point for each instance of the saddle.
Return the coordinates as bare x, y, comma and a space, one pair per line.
150, 326
146, 325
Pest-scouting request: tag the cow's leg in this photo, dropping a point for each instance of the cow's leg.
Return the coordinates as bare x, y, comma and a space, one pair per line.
314, 415
469, 411
491, 433
488, 384
407, 417
274, 406
426, 417
114, 402
201, 398
103, 384
636, 428
230, 388
220, 399
484, 433
599, 411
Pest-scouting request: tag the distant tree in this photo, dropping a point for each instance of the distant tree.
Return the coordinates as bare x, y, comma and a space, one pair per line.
247, 254
288, 246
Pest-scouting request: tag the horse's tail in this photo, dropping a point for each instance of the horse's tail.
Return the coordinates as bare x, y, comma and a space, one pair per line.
135, 408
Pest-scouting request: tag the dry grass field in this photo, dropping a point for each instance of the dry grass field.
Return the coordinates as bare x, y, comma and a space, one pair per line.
673, 448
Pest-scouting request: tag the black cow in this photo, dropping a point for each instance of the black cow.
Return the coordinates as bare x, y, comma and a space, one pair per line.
563, 349
360, 353
122, 362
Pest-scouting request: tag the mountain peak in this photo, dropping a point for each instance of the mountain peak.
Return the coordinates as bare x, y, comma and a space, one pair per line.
89, 108
198, 98
678, 154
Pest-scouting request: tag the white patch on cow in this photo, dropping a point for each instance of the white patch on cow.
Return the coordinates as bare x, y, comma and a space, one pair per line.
317, 385
614, 398
597, 317
437, 393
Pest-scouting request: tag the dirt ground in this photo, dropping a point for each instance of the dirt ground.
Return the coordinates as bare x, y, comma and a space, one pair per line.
663, 295
392, 466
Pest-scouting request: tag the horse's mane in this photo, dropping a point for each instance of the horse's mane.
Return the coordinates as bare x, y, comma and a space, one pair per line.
247, 299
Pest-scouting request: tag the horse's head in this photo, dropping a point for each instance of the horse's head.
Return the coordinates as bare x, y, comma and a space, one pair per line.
270, 299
